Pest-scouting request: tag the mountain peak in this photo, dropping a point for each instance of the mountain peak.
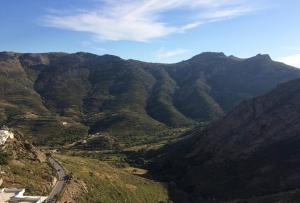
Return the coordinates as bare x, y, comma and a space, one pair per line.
109, 56
262, 57
210, 55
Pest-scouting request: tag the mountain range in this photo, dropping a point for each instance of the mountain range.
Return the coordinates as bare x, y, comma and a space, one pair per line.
56, 98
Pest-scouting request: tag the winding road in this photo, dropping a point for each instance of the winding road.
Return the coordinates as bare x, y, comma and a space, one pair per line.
52, 198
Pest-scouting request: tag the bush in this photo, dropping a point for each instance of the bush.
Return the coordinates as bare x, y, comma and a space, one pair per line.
3, 158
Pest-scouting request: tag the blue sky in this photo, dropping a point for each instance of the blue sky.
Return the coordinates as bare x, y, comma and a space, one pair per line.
153, 30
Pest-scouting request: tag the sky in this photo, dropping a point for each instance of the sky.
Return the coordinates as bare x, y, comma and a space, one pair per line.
153, 30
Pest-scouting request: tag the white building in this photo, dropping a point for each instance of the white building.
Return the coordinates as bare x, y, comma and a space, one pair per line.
17, 196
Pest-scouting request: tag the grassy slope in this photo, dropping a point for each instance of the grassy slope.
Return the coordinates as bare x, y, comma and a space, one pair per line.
34, 176
25, 167
107, 184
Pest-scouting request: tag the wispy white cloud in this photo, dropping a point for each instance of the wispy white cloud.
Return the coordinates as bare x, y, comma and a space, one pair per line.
293, 60
143, 20
292, 48
163, 53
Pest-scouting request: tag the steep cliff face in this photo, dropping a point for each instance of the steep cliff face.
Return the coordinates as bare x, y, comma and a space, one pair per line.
252, 151
39, 92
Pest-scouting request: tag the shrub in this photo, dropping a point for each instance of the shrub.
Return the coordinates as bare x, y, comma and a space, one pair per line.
3, 158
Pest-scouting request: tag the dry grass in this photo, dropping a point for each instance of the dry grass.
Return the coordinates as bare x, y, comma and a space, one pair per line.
107, 184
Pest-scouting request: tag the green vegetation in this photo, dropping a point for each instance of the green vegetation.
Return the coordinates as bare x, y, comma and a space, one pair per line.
137, 154
3, 158
104, 183
50, 130
34, 176
160, 103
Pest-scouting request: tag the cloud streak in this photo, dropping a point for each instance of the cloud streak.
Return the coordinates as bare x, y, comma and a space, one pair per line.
162, 53
143, 20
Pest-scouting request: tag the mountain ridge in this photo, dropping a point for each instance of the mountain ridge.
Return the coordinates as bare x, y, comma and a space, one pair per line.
107, 93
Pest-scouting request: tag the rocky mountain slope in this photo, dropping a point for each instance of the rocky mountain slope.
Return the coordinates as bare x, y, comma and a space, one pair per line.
252, 151
58, 97
24, 166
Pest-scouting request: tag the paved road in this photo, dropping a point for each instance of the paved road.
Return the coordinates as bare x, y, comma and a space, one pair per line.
59, 184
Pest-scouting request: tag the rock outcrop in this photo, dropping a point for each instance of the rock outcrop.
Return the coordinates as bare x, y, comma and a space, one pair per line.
5, 134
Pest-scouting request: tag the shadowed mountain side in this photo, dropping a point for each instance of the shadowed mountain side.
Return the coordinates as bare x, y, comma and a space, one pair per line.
252, 151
